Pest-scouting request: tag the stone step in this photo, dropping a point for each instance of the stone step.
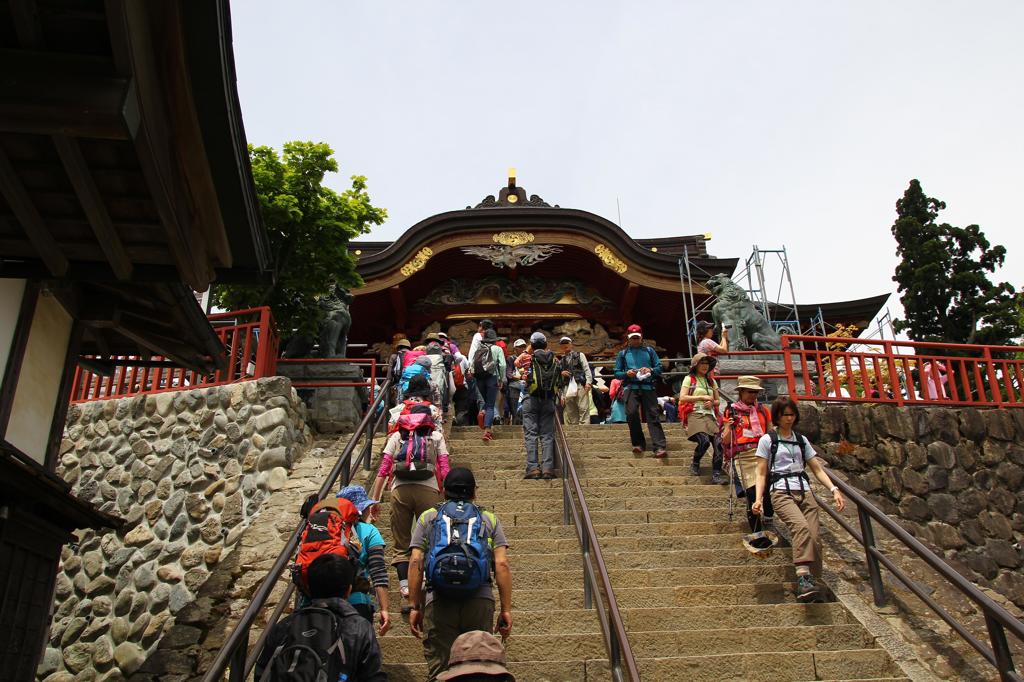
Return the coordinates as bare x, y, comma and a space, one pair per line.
528, 646
529, 490
627, 530
579, 448
524, 671
767, 666
676, 577
554, 516
542, 544
654, 558
513, 504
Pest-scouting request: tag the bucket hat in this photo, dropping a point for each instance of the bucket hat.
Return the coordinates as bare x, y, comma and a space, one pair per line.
761, 543
476, 653
403, 343
750, 383
490, 336
356, 494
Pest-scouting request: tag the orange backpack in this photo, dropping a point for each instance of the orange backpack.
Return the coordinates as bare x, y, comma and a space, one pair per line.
328, 531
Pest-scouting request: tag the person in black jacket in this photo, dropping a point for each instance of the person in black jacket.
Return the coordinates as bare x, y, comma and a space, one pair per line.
330, 582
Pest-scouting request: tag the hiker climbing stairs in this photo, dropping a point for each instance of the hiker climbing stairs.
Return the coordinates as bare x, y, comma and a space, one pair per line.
553, 636
696, 605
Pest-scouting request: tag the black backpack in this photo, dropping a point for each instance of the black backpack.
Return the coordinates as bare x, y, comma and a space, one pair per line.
483, 362
774, 476
544, 376
311, 650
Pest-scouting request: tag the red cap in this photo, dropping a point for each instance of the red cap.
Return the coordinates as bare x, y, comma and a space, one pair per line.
634, 328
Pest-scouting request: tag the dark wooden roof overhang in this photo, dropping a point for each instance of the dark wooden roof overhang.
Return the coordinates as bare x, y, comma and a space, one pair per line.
124, 168
859, 312
374, 264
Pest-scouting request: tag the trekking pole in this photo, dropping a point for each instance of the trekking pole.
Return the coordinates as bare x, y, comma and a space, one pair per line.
726, 423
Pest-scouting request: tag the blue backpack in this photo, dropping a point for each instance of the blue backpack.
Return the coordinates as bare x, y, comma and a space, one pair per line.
412, 371
459, 562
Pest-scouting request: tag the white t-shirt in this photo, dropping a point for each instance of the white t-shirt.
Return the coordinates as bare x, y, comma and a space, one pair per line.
788, 459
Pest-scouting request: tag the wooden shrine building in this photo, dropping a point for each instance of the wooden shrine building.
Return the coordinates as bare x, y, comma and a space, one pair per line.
124, 186
528, 265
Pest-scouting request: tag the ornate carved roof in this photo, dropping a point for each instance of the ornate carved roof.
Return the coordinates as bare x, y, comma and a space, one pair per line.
512, 196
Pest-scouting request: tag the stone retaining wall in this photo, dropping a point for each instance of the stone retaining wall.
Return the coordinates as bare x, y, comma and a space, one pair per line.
951, 476
189, 471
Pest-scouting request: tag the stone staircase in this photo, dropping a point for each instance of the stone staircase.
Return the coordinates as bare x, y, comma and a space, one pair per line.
695, 604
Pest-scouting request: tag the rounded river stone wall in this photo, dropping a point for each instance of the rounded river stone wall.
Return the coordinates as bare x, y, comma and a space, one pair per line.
188, 471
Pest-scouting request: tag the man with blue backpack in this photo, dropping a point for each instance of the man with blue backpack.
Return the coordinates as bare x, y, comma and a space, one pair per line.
455, 547
637, 366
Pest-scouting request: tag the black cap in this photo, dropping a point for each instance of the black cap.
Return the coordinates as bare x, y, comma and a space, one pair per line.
460, 482
490, 336
419, 387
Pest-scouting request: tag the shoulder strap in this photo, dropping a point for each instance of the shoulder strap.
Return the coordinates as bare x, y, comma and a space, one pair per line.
802, 442
693, 384
651, 356
774, 436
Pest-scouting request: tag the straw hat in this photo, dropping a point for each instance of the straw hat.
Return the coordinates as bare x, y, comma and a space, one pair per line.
751, 383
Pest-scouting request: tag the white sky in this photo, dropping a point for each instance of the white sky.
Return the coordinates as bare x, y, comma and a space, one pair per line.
775, 123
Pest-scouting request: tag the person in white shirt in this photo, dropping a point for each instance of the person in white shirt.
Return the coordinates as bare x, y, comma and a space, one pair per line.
783, 455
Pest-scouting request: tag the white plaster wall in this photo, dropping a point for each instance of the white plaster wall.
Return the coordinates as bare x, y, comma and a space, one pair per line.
36, 396
11, 293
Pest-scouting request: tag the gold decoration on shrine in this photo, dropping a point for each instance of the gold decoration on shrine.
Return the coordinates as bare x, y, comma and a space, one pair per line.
418, 262
513, 238
610, 260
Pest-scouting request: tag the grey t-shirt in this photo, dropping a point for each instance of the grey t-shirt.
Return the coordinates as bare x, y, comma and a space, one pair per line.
492, 531
788, 459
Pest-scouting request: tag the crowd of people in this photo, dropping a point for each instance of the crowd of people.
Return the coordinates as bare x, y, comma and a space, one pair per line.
450, 556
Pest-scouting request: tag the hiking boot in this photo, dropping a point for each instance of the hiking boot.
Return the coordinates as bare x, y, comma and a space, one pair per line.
718, 478
806, 590
480, 419
661, 453
548, 475
695, 469
532, 474
637, 450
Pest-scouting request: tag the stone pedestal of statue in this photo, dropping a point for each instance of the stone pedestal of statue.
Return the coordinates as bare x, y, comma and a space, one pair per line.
330, 410
757, 365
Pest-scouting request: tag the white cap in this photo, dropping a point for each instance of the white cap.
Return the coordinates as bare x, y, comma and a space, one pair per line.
635, 334
565, 339
518, 343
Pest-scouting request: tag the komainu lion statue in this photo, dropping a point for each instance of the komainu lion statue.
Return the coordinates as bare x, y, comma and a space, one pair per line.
748, 330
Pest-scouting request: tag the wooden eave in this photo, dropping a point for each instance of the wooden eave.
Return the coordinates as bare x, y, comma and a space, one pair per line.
529, 219
122, 153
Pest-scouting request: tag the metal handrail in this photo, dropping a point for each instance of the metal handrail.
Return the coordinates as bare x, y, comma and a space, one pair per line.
616, 642
233, 656
997, 619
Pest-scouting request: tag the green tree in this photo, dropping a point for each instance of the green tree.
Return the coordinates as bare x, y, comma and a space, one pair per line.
309, 227
943, 278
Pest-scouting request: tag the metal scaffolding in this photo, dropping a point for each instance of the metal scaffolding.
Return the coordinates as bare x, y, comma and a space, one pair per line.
758, 271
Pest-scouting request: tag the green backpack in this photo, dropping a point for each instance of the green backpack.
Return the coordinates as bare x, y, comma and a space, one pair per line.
544, 376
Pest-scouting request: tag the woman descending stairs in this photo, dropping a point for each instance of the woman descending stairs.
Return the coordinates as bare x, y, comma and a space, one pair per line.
696, 605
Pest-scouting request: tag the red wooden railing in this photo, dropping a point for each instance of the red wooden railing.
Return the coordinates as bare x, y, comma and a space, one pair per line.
904, 372
250, 344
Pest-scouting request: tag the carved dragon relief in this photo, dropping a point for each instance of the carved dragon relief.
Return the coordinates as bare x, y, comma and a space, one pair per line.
499, 290
505, 256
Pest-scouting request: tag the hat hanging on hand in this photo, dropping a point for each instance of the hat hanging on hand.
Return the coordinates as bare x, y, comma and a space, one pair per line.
761, 543
476, 653
634, 330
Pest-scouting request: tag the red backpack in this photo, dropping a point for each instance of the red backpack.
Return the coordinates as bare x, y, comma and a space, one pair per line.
328, 531
411, 459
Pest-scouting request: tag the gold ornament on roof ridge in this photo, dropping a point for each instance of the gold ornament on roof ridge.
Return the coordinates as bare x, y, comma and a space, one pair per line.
513, 238
610, 260
418, 262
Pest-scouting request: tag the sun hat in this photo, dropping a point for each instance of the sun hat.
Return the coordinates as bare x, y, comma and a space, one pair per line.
519, 343
750, 383
403, 343
432, 337
565, 339
356, 494
761, 543
476, 653
634, 330
460, 481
